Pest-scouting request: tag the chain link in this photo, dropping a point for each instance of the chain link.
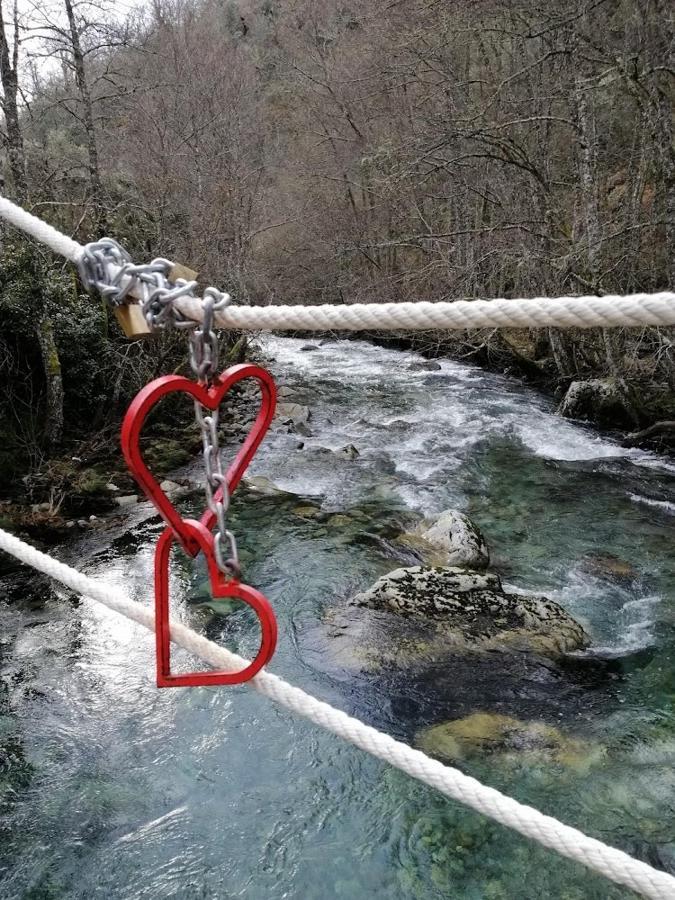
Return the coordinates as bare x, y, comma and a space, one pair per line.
106, 266
156, 293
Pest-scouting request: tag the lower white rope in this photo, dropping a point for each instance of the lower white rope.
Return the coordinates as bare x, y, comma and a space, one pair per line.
613, 864
608, 311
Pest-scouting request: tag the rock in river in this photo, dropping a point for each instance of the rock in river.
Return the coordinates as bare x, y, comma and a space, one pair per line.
424, 365
454, 537
474, 610
292, 413
531, 743
601, 400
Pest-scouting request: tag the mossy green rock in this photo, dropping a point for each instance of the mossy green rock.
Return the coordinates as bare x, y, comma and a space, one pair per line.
484, 733
162, 456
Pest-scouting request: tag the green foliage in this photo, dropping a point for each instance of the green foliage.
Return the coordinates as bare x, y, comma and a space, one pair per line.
100, 370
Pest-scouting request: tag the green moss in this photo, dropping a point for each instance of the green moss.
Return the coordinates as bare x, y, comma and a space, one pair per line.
164, 455
484, 733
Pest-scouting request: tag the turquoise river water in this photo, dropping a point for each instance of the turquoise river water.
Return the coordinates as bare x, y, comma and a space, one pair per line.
112, 789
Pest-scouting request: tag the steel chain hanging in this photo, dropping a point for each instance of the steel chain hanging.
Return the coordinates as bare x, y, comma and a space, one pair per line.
157, 295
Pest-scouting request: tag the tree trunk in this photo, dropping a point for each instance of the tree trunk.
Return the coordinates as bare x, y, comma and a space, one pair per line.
10, 90
17, 164
88, 122
54, 400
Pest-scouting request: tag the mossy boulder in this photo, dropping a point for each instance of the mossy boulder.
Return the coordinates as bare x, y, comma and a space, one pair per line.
486, 733
475, 611
163, 455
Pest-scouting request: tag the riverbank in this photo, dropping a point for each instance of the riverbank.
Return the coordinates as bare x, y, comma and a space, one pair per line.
56, 495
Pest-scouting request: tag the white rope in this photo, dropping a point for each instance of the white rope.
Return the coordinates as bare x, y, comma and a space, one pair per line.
41, 231
610, 311
613, 864
538, 312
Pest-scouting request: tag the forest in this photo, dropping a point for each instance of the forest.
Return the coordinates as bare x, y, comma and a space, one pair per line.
320, 151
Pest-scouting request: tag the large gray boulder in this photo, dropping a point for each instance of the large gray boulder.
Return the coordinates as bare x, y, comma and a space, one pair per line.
599, 400
459, 541
475, 611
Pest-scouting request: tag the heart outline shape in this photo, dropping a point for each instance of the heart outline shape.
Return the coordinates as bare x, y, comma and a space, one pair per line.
221, 587
210, 397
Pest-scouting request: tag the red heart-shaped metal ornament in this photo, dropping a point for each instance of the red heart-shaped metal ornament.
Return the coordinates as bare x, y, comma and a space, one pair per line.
210, 397
220, 587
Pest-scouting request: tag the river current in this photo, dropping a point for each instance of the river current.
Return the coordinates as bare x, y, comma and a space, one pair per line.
110, 788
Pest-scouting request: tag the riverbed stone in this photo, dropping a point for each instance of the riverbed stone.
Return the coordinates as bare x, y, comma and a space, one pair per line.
292, 414
458, 539
339, 520
424, 365
475, 611
348, 452
600, 400
127, 500
492, 733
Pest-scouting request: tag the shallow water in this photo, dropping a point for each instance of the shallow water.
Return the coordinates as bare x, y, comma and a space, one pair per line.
113, 789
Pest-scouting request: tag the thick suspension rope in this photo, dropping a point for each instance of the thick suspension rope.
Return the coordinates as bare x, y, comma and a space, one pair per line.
612, 863
610, 311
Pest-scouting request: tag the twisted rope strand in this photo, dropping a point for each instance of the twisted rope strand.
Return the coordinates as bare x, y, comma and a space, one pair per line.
610, 311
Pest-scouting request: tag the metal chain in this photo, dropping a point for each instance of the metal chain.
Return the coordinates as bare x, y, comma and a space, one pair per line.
204, 362
149, 280
156, 293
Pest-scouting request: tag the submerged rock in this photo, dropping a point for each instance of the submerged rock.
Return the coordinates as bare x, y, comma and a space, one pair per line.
484, 733
349, 452
610, 567
307, 512
260, 484
424, 365
600, 400
459, 541
474, 611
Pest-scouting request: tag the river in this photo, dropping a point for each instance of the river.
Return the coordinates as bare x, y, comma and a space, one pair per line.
110, 788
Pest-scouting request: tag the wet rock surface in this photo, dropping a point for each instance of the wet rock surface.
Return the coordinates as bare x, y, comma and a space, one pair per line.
475, 611
601, 400
492, 733
453, 539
